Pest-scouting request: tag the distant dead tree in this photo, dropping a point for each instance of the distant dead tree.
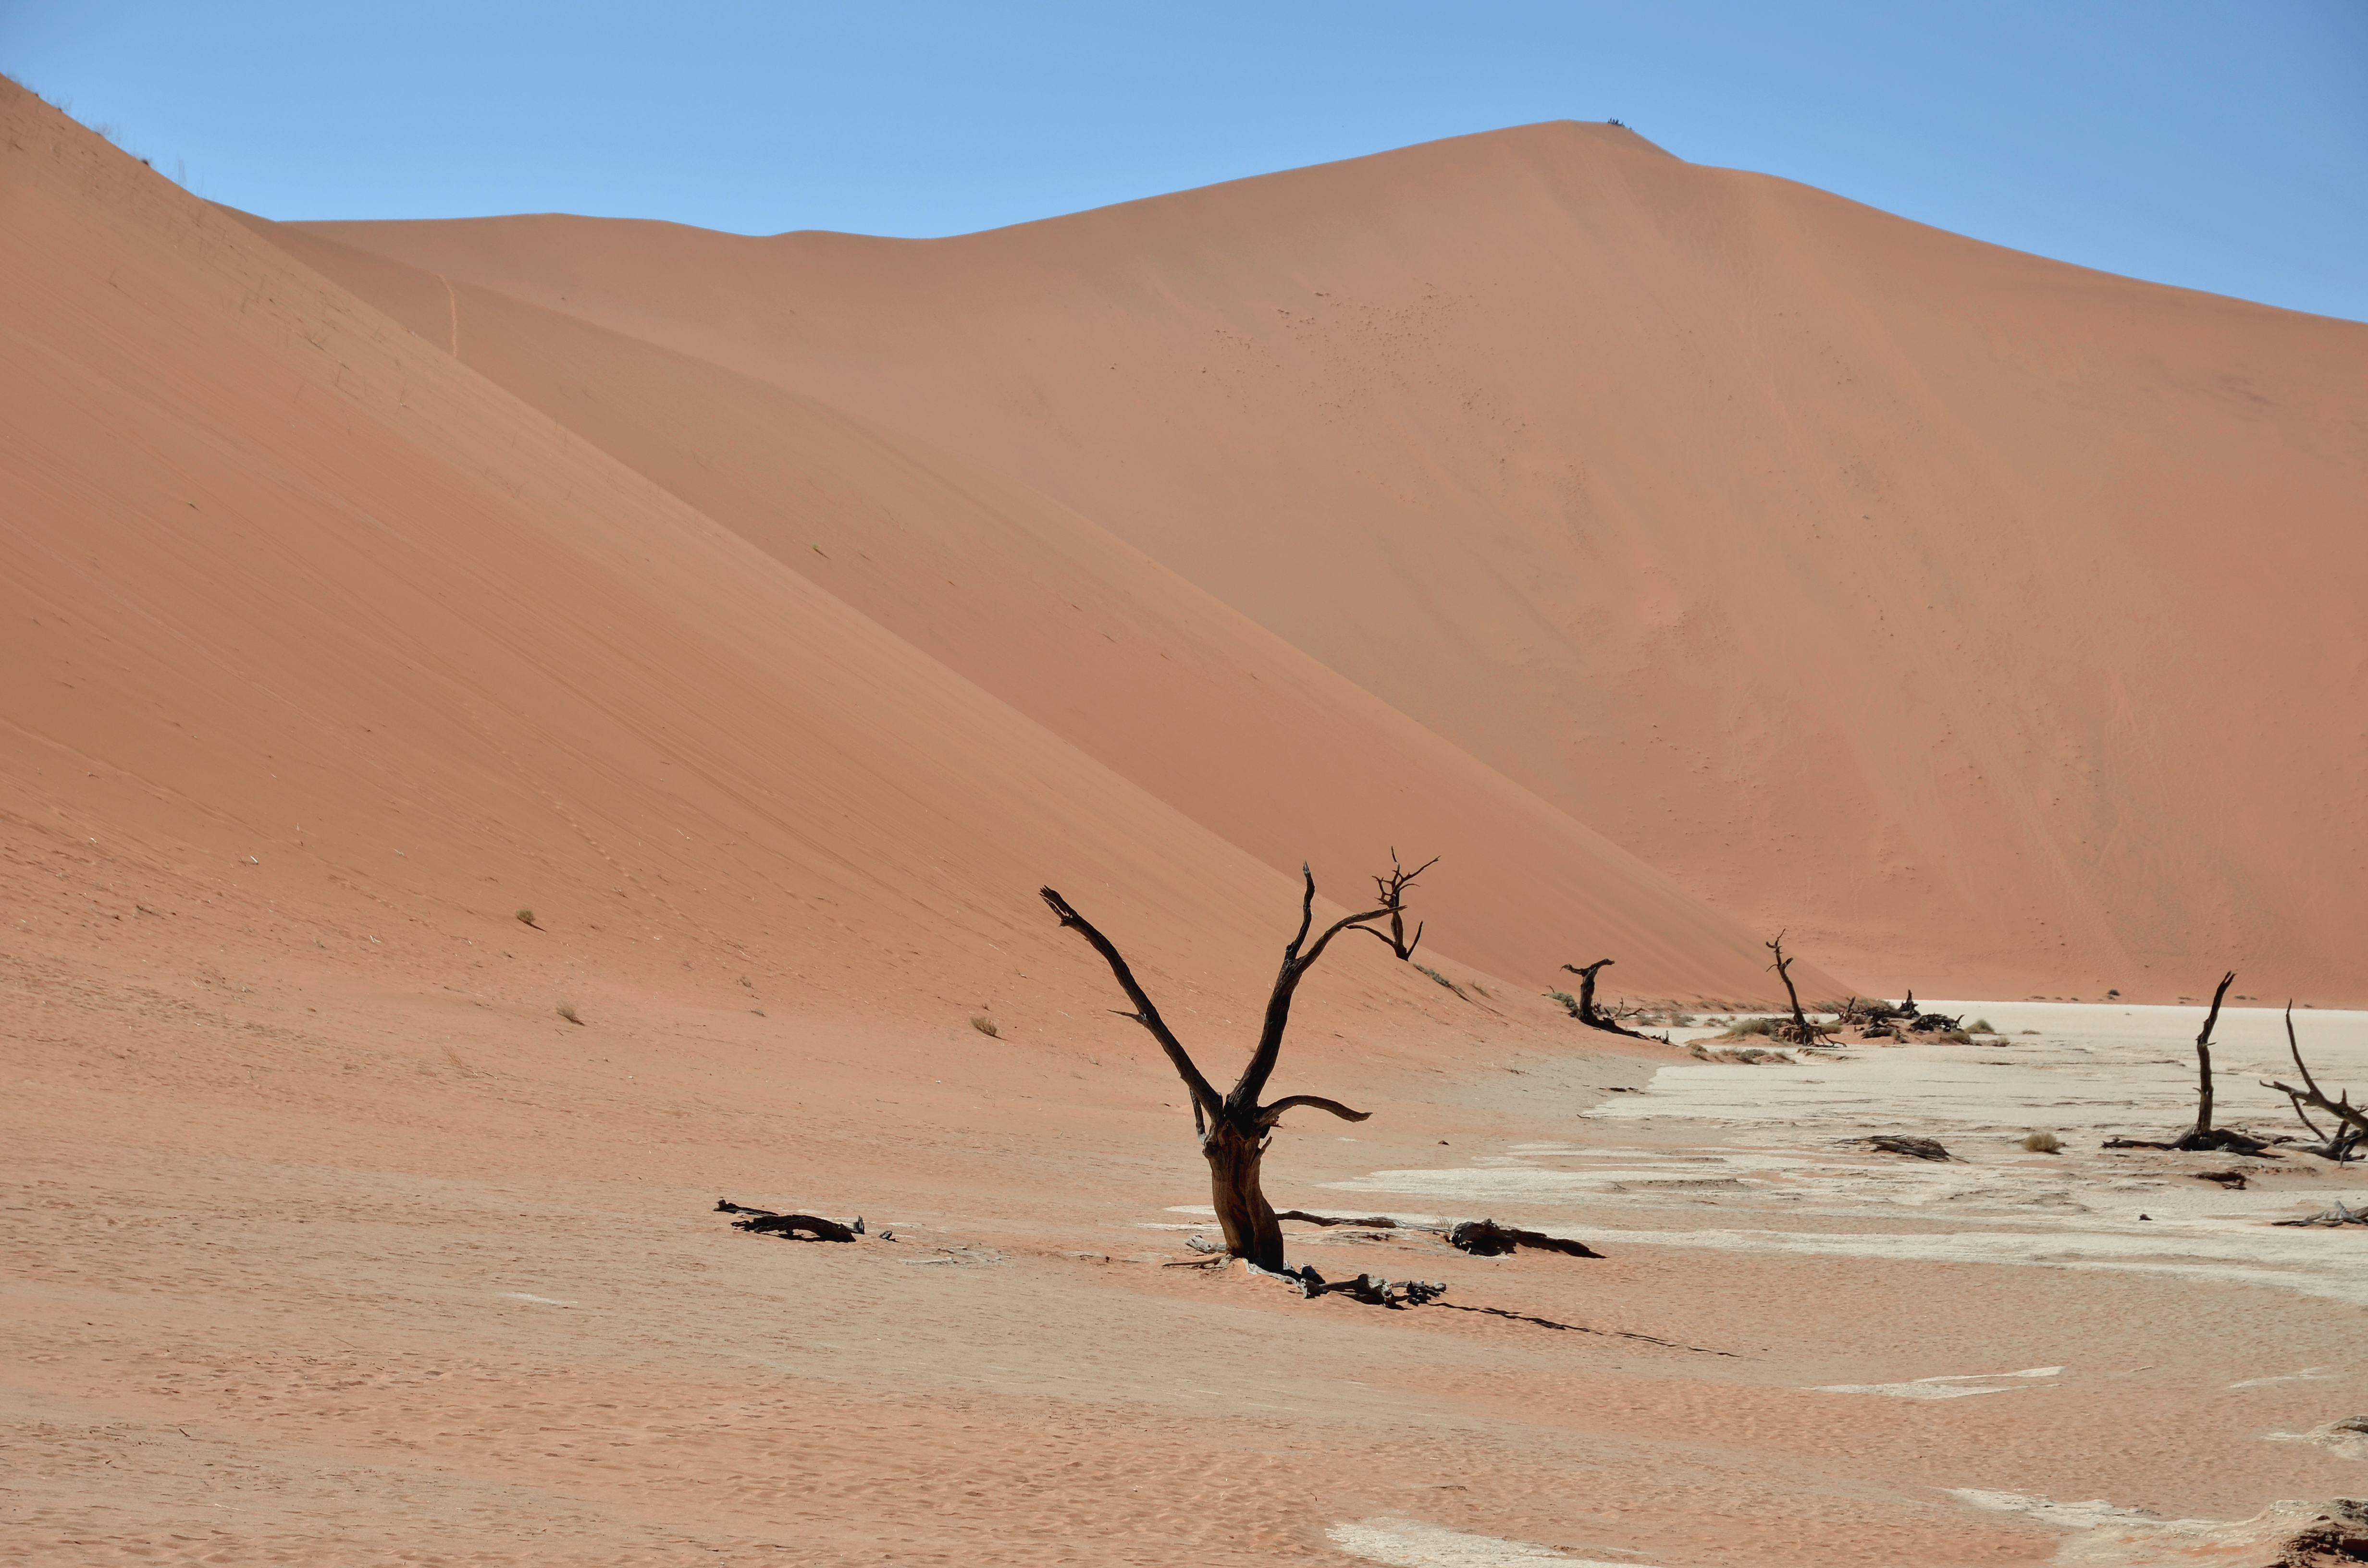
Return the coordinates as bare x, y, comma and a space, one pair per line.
2204, 1136
1392, 891
1235, 1128
1584, 1008
2351, 1121
1802, 1033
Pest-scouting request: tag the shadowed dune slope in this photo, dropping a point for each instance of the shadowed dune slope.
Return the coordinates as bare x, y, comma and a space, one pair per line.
1251, 738
1991, 622
312, 623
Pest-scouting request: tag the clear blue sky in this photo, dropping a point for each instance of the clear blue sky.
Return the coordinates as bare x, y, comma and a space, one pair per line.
2219, 145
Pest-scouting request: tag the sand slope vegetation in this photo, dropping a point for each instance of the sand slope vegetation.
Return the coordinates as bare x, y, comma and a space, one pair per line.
1980, 617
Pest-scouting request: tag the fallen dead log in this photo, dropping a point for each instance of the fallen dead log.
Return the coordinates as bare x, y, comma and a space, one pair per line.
1485, 1238
1370, 1289
2220, 1138
2233, 1179
1920, 1148
2338, 1215
1377, 1223
766, 1222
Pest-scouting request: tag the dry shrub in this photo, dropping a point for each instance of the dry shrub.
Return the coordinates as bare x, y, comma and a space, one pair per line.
567, 1010
986, 1026
2043, 1143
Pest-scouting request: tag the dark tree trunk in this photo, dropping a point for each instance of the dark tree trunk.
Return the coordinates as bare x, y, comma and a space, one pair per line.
1235, 1127
1243, 1213
2204, 1135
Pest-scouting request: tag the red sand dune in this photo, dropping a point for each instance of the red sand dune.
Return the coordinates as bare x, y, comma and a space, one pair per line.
1992, 623
317, 616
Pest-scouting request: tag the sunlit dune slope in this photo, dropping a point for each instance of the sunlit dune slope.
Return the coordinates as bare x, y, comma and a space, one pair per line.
346, 647
1251, 738
1992, 623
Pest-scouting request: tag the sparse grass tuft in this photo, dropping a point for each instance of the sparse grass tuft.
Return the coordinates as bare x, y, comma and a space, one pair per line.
986, 1026
1444, 980
1569, 1003
1742, 1027
1958, 1036
567, 1010
1980, 1026
525, 918
2043, 1143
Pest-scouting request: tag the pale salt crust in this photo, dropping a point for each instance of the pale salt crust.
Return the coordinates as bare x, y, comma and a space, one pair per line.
1410, 1543
2110, 1536
1767, 1158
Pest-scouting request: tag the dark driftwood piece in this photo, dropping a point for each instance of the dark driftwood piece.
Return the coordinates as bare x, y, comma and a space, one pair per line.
1593, 1016
1233, 1127
2338, 1215
1391, 890
1377, 1223
765, 1222
1485, 1238
1370, 1289
1921, 1148
2351, 1121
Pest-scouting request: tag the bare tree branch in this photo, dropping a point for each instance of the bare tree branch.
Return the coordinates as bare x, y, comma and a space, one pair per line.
1391, 890
1252, 1083
2342, 1109
1205, 1098
1269, 1115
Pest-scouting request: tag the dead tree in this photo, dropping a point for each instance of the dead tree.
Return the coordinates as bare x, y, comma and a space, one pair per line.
2203, 1135
1235, 1128
1802, 1033
1585, 1010
2351, 1121
1392, 891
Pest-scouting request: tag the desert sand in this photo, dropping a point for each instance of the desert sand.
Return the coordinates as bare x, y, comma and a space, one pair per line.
516, 731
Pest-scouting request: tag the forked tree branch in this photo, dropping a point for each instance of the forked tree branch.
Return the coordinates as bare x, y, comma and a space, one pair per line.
1205, 1098
2342, 1109
1269, 1115
1243, 1100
